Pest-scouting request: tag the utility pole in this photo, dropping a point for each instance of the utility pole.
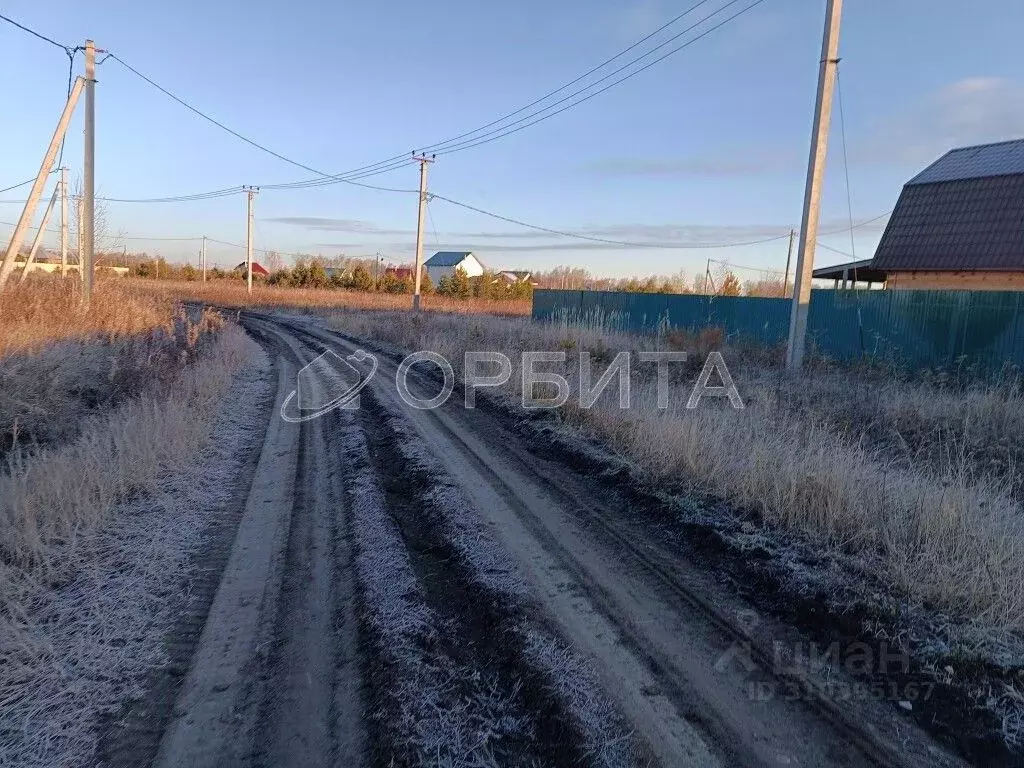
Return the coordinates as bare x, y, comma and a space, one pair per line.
18, 237
39, 235
423, 161
89, 170
80, 204
202, 258
789, 258
812, 192
251, 193
63, 222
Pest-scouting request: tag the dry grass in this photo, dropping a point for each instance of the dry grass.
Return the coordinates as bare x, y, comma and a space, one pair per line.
46, 393
76, 646
232, 293
53, 501
45, 309
951, 537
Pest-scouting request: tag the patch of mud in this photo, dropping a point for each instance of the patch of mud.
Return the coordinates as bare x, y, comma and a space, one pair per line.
425, 706
118, 637
484, 601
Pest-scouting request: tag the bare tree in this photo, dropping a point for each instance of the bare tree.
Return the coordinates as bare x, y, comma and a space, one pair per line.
100, 226
274, 261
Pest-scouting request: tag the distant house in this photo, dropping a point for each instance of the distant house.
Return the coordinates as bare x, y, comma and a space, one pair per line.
513, 276
958, 225
444, 264
399, 273
257, 269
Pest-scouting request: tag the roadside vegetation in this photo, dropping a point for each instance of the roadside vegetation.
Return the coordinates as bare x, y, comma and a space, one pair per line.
232, 293
97, 407
911, 485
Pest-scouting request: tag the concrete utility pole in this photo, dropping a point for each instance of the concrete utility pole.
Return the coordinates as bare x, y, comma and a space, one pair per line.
18, 237
63, 222
39, 235
202, 257
81, 238
789, 258
815, 180
423, 161
251, 193
89, 171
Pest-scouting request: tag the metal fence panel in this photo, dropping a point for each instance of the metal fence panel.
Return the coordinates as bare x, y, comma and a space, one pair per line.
911, 329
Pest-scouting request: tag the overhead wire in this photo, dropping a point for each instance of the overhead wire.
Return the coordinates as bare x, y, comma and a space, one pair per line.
433, 147
65, 48
195, 110
451, 145
15, 186
525, 122
579, 236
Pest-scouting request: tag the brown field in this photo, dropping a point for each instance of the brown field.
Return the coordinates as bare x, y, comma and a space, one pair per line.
45, 310
232, 293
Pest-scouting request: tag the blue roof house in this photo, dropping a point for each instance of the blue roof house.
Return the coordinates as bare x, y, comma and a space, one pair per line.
444, 264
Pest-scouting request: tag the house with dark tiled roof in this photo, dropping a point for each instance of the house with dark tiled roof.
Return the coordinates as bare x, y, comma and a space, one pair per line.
959, 224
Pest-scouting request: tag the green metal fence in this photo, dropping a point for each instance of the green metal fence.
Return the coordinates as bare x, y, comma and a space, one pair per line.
912, 329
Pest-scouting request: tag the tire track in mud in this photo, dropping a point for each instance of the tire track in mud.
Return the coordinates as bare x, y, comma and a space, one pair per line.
814, 737
480, 629
382, 639
274, 680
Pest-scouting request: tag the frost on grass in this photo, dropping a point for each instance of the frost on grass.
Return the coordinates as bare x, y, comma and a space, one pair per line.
85, 646
436, 712
570, 677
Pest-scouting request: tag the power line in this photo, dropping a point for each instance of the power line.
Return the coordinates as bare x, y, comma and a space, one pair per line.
846, 161
578, 236
236, 134
448, 146
836, 250
15, 186
730, 265
522, 123
856, 226
433, 147
65, 48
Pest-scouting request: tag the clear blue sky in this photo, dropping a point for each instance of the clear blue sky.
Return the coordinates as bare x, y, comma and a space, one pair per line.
707, 146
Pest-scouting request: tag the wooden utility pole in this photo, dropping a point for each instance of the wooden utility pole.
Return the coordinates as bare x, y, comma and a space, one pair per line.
812, 192
39, 235
89, 172
18, 236
789, 258
422, 211
63, 222
202, 257
251, 193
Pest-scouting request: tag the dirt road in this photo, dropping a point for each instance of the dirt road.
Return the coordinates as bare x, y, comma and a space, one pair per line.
435, 587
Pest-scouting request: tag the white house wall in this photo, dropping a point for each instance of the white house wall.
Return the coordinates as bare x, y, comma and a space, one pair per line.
470, 265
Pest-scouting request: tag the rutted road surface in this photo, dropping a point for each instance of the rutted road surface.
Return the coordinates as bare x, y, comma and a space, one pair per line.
419, 587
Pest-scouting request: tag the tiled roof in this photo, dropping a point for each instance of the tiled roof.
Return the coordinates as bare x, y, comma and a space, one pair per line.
1003, 159
448, 258
971, 223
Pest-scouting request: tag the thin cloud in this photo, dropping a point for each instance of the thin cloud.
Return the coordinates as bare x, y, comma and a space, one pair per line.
711, 165
972, 110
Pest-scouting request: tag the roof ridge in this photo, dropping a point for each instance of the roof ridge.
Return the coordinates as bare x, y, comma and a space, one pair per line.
986, 144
